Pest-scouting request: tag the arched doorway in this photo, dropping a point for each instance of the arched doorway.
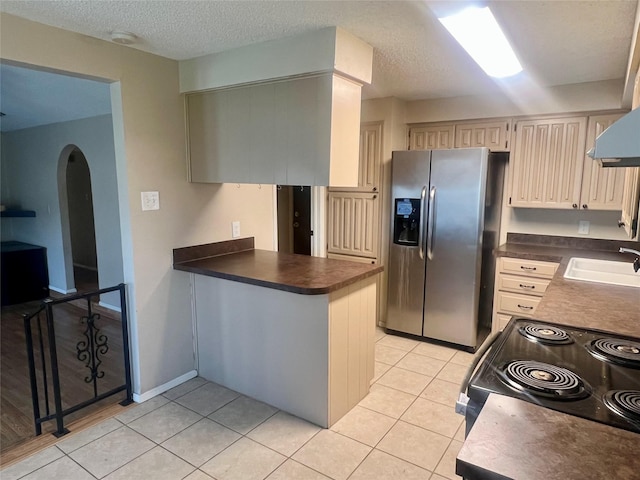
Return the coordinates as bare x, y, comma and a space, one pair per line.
81, 222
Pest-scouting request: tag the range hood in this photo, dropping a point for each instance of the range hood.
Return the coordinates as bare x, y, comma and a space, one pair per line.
619, 145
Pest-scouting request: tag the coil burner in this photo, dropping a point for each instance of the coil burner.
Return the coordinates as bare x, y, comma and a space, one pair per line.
625, 403
620, 351
545, 334
542, 379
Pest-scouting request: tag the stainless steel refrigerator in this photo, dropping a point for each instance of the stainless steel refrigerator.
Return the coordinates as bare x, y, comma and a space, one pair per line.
445, 219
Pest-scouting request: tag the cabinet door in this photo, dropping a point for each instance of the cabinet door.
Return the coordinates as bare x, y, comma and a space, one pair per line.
431, 137
601, 187
493, 135
547, 163
370, 157
353, 224
630, 200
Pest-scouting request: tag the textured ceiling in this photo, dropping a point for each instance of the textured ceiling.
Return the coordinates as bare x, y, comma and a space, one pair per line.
558, 42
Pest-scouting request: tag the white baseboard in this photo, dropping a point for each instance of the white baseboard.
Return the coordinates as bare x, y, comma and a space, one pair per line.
163, 388
62, 290
110, 307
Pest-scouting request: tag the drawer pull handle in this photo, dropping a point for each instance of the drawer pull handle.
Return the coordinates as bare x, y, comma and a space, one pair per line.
528, 268
525, 307
531, 287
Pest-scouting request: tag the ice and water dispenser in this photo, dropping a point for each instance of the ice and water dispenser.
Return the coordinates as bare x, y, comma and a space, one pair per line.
406, 221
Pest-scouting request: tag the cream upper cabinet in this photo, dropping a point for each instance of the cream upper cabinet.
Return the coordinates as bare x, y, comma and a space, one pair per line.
601, 187
353, 224
431, 137
547, 163
630, 198
493, 135
302, 131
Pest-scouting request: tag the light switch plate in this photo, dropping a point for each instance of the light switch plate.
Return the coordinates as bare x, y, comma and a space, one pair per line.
150, 200
583, 227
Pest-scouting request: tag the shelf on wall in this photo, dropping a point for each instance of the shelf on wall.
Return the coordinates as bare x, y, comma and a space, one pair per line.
17, 213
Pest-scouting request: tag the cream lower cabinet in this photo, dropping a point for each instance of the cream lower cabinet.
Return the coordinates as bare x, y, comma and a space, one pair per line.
519, 287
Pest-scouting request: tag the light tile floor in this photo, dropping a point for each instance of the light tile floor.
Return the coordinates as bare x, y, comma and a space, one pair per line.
405, 428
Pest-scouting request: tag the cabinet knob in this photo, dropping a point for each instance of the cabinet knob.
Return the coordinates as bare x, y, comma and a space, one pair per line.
375, 189
585, 206
375, 196
620, 224
575, 205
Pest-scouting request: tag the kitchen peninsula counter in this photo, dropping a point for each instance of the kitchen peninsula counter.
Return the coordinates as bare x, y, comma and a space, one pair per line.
239, 261
293, 331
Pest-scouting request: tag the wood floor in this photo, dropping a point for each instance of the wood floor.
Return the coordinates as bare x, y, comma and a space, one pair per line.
16, 425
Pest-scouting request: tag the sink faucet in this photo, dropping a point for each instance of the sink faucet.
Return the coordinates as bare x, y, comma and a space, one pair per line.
636, 262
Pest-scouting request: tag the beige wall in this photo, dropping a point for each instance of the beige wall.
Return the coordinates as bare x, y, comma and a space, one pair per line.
150, 155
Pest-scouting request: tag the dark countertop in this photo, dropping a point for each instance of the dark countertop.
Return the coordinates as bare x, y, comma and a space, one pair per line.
515, 439
237, 260
537, 443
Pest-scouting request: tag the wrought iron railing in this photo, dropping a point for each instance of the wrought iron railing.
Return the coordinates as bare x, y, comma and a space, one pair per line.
91, 350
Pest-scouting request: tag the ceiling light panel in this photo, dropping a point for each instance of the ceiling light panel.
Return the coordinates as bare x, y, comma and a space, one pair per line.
478, 32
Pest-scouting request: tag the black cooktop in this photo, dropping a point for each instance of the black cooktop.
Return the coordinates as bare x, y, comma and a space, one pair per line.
588, 373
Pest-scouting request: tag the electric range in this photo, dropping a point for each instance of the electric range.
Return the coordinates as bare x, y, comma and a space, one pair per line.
588, 373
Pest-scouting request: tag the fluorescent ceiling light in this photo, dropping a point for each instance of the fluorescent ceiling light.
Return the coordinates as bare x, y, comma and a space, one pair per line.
480, 35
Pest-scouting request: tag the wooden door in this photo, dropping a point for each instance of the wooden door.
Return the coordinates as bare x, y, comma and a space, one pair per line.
547, 163
601, 187
301, 220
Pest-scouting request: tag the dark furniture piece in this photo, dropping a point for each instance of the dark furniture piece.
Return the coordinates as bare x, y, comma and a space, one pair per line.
25, 276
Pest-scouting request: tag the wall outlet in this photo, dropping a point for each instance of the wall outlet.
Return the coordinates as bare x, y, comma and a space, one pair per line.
583, 227
150, 200
235, 229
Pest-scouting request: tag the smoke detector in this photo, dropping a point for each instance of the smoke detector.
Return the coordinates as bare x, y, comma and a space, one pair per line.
123, 38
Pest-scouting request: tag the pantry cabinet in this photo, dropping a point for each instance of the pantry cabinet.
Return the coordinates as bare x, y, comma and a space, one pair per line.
369, 159
547, 163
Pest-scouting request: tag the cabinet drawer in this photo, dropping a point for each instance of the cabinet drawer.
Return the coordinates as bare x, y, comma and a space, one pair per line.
516, 304
533, 268
520, 284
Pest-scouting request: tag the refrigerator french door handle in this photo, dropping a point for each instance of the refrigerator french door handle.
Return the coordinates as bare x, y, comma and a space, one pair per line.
431, 224
423, 196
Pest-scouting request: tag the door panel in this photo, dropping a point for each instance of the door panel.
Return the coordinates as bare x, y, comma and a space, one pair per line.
410, 175
453, 272
353, 227
301, 220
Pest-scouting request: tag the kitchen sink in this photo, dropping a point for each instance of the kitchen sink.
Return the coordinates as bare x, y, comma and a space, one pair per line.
602, 271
